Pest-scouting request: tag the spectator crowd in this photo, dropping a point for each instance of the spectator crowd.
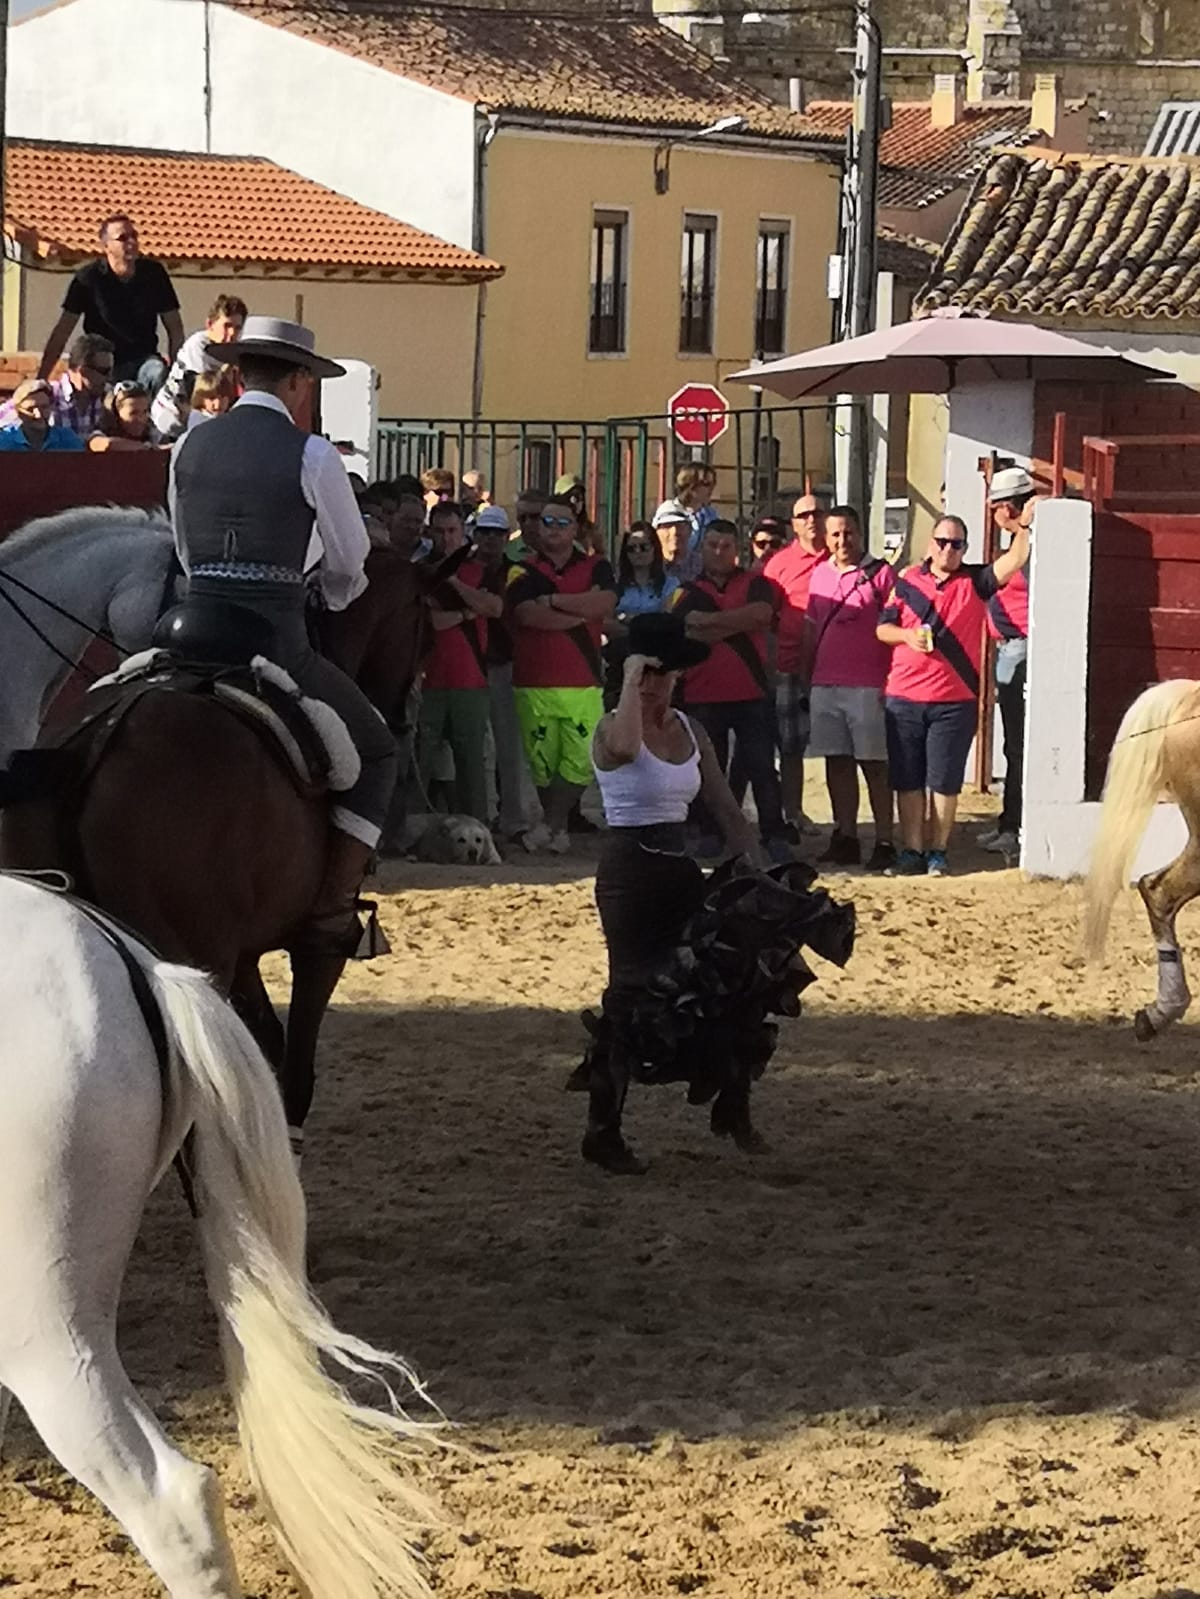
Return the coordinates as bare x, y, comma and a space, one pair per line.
814, 648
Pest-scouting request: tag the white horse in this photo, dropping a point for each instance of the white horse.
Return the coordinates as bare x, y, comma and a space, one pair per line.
107, 566
86, 1131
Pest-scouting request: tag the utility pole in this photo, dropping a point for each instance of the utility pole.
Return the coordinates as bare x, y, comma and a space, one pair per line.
859, 194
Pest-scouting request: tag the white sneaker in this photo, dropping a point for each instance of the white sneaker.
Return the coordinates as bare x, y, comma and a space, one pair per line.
1004, 844
536, 838
560, 843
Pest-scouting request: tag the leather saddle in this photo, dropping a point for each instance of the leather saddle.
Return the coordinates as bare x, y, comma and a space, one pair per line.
204, 646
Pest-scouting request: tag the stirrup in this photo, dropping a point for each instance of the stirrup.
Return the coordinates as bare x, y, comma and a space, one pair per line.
373, 940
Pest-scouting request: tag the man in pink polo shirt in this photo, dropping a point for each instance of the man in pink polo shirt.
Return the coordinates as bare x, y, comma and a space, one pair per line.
848, 666
933, 623
790, 571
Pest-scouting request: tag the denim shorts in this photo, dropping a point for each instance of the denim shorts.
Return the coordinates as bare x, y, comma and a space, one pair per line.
928, 743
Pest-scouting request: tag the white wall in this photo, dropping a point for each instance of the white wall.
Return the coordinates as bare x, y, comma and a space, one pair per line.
124, 72
1059, 825
1176, 352
390, 143
131, 72
983, 417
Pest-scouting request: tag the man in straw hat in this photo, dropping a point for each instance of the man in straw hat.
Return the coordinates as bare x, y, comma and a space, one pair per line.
249, 494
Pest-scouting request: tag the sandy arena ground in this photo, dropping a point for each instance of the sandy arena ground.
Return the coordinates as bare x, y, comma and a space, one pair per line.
943, 1339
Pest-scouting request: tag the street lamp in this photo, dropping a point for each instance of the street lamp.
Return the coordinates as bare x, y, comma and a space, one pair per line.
662, 153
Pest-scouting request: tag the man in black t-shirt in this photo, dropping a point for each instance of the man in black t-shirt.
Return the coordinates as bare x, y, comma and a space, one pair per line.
121, 295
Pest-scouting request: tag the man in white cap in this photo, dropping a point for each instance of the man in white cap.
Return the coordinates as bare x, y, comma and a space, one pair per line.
673, 524
1013, 497
250, 494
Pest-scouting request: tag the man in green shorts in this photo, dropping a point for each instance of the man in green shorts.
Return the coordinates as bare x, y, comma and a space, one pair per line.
559, 601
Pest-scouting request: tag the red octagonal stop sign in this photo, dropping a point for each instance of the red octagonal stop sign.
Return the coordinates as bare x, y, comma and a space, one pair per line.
699, 413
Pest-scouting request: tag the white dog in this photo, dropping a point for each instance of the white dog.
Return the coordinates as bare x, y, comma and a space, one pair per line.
450, 841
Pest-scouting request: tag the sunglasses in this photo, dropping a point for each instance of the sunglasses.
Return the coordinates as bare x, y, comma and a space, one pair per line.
805, 516
558, 521
638, 547
122, 391
951, 544
768, 544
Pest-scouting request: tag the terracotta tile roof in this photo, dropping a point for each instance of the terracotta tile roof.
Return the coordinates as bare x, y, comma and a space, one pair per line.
919, 163
1049, 235
631, 71
212, 208
904, 254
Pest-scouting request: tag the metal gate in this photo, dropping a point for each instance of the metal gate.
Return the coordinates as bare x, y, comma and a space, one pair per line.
627, 464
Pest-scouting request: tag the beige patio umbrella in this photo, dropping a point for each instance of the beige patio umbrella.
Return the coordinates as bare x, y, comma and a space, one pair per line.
936, 354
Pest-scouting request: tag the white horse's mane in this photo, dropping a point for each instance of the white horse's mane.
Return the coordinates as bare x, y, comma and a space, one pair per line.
81, 521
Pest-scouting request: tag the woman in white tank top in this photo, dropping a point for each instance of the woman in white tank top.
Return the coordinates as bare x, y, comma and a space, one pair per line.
651, 763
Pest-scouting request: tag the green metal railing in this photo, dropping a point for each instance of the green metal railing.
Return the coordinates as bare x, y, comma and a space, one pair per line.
627, 464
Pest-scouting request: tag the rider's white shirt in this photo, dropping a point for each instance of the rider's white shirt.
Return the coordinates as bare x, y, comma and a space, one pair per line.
339, 540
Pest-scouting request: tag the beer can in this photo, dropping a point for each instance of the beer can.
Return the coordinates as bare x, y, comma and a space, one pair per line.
925, 636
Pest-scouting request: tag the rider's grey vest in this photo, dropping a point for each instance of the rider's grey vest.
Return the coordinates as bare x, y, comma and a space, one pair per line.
239, 510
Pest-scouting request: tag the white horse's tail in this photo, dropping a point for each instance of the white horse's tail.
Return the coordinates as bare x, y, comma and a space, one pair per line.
1134, 783
333, 1474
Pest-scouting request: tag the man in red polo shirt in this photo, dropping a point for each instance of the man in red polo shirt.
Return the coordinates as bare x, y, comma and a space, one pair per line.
789, 572
559, 600
731, 611
455, 700
934, 623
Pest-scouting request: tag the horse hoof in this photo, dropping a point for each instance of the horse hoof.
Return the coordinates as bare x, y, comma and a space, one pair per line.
1143, 1028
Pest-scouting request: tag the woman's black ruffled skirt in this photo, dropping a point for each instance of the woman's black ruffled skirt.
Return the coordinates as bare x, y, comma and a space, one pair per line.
699, 967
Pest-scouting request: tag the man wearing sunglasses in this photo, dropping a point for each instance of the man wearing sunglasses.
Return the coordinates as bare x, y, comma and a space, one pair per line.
77, 397
790, 572
933, 623
559, 600
123, 295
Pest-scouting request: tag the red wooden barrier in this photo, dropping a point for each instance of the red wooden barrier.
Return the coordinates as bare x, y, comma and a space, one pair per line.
1145, 617
38, 485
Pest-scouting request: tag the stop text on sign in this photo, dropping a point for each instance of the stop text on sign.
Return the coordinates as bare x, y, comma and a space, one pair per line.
699, 414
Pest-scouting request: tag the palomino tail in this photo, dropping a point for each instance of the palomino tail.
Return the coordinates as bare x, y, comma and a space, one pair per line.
332, 1473
1134, 783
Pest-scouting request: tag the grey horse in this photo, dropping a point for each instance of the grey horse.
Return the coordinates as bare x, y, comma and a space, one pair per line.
108, 566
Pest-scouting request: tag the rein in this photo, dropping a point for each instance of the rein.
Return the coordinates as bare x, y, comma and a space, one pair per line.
52, 605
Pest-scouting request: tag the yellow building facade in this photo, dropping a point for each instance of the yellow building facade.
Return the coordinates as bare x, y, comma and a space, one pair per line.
590, 316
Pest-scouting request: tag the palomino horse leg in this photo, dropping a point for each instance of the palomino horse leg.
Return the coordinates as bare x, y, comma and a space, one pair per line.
314, 978
1164, 894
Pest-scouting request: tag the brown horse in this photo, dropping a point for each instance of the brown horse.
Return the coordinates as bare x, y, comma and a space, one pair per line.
1156, 755
186, 825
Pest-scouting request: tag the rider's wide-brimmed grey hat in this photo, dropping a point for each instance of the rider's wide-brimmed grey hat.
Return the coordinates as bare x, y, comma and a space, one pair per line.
288, 341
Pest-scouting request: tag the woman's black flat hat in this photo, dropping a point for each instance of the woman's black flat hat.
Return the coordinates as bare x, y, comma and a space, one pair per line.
663, 637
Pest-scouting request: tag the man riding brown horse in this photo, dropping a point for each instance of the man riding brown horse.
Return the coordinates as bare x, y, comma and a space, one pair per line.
245, 493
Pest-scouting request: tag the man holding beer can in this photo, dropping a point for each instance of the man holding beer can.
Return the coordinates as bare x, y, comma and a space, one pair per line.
933, 623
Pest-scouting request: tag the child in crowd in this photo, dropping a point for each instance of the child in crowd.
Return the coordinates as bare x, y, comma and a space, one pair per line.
212, 394
125, 424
